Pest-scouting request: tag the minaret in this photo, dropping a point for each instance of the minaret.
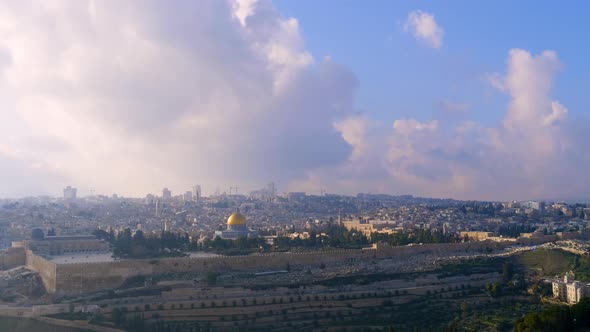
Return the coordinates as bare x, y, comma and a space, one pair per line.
339, 217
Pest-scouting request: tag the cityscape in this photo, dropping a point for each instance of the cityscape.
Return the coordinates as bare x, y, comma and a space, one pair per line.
270, 260
294, 165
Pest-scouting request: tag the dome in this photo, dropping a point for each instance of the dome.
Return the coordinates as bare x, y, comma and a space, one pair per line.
236, 219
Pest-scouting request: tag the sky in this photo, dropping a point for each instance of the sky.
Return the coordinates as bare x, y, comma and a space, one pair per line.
467, 100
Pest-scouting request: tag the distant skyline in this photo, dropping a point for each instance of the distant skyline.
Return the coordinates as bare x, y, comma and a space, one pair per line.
464, 100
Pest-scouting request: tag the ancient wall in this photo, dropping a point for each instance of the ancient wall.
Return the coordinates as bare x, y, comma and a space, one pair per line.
80, 278
386, 251
83, 278
277, 261
12, 257
62, 245
530, 241
45, 268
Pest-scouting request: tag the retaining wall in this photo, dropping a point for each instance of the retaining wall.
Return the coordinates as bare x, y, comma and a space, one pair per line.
80, 278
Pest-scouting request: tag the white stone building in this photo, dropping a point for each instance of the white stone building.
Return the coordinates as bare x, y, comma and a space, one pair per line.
569, 290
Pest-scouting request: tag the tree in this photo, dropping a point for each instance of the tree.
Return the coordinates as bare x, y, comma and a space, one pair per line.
138, 236
37, 234
211, 278
118, 316
507, 271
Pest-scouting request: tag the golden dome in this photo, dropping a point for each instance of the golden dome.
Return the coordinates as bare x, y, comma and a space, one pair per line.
236, 219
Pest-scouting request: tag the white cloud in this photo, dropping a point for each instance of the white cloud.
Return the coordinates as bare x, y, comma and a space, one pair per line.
535, 153
244, 9
424, 28
354, 131
132, 97
409, 126
558, 113
145, 95
529, 81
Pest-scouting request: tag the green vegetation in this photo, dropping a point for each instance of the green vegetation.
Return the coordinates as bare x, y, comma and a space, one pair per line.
557, 318
473, 266
334, 236
446, 307
211, 278
167, 244
37, 234
240, 246
514, 230
415, 236
554, 262
120, 319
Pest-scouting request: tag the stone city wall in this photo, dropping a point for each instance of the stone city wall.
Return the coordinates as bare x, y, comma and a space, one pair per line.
80, 278
12, 257
276, 261
45, 268
59, 246
387, 251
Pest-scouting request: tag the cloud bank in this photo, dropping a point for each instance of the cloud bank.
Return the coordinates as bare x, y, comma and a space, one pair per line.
131, 97
536, 152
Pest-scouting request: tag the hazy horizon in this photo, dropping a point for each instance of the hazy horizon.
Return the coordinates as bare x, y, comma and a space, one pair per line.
83, 194
395, 98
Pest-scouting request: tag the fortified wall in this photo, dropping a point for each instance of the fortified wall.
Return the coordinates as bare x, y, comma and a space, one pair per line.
12, 257
70, 244
386, 251
80, 278
46, 269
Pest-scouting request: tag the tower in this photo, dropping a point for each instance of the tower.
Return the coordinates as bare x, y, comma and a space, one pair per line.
197, 192
70, 194
158, 208
272, 190
166, 194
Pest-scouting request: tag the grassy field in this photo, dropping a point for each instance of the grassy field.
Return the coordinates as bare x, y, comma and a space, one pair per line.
556, 262
548, 262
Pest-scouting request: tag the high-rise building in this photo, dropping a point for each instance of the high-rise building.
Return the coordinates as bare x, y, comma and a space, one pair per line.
188, 196
197, 192
166, 194
158, 208
70, 193
272, 190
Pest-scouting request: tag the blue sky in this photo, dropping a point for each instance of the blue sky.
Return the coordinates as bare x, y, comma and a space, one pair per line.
369, 38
